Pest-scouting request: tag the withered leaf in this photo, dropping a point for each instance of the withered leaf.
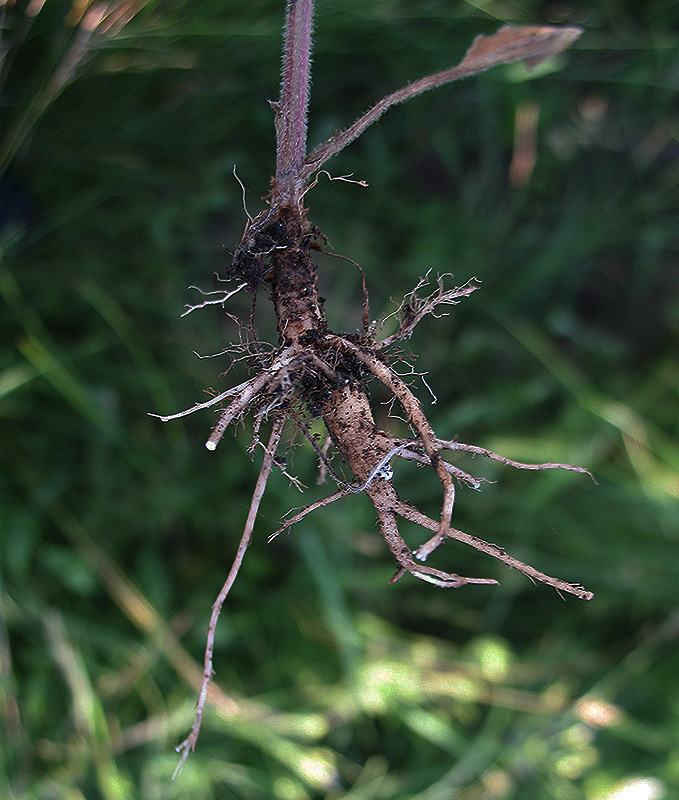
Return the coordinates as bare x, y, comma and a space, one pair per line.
529, 44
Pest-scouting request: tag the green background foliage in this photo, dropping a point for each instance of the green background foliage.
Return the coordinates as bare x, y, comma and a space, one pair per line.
117, 531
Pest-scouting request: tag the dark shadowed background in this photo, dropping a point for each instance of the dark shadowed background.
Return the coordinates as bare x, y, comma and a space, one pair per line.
558, 189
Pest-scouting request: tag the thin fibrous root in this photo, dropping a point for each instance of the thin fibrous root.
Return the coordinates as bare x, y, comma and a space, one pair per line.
251, 390
215, 301
482, 451
246, 392
414, 309
462, 476
189, 744
410, 454
294, 480
208, 404
413, 514
382, 470
448, 580
301, 514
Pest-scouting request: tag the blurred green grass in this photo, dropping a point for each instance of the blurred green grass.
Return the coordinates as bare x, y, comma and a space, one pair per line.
117, 531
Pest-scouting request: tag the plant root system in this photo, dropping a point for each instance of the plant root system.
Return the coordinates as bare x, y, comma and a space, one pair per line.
314, 373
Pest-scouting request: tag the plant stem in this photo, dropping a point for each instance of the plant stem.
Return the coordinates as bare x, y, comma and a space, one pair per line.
291, 110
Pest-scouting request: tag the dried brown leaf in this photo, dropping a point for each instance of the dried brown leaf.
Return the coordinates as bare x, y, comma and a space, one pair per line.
529, 44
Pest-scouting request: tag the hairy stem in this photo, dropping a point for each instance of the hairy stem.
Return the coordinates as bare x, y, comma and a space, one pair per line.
291, 110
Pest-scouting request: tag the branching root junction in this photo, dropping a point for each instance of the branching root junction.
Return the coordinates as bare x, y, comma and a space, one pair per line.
315, 374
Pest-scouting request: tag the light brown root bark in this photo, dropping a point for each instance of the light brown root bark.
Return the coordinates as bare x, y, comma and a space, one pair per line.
189, 744
316, 373
413, 514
